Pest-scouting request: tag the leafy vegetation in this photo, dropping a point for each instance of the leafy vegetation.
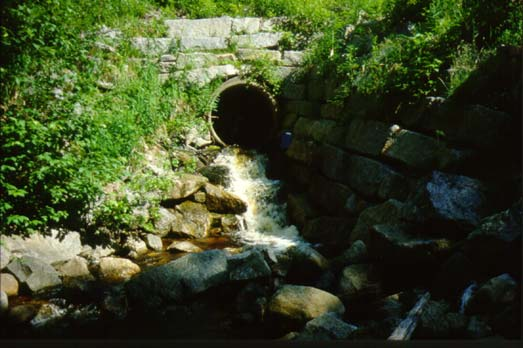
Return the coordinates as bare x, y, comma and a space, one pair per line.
77, 107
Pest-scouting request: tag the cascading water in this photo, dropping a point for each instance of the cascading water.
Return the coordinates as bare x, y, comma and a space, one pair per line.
264, 223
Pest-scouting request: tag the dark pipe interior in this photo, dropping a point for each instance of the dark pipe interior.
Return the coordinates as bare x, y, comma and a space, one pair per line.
245, 116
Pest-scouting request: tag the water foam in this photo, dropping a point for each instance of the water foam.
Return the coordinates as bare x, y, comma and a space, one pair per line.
265, 222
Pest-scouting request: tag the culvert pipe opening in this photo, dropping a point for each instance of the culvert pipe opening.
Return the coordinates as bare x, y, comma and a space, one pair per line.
245, 115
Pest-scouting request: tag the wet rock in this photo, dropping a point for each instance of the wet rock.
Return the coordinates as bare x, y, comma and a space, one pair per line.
433, 322
453, 199
22, 313
326, 327
302, 151
35, 273
294, 305
495, 245
230, 224
177, 280
58, 246
75, 272
299, 209
359, 282
192, 220
136, 247
154, 242
395, 245
184, 246
185, 186
290, 336
5, 257
116, 270
4, 303
8, 284
48, 315
305, 263
248, 265
391, 212
494, 296
220, 201
478, 328
217, 174
357, 253
329, 231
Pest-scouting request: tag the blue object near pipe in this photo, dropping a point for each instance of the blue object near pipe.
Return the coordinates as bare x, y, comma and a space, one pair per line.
285, 141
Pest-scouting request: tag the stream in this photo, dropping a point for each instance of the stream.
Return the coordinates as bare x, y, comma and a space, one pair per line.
94, 313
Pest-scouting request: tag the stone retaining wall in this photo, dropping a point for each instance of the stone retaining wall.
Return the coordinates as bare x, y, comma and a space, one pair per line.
201, 50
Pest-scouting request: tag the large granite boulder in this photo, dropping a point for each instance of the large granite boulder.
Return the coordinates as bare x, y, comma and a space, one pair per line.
357, 253
493, 296
330, 196
368, 177
5, 257
192, 220
433, 322
35, 274
366, 136
418, 151
185, 186
220, 201
115, 269
4, 303
217, 174
154, 242
8, 284
247, 266
359, 282
177, 280
331, 231
394, 245
495, 245
391, 212
450, 200
56, 247
326, 327
305, 264
299, 209
293, 305
75, 272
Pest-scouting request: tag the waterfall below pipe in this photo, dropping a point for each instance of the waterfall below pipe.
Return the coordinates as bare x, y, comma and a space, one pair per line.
265, 221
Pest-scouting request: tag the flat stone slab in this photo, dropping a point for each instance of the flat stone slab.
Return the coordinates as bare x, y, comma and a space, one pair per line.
212, 27
246, 25
293, 58
203, 43
259, 40
153, 46
206, 75
249, 54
